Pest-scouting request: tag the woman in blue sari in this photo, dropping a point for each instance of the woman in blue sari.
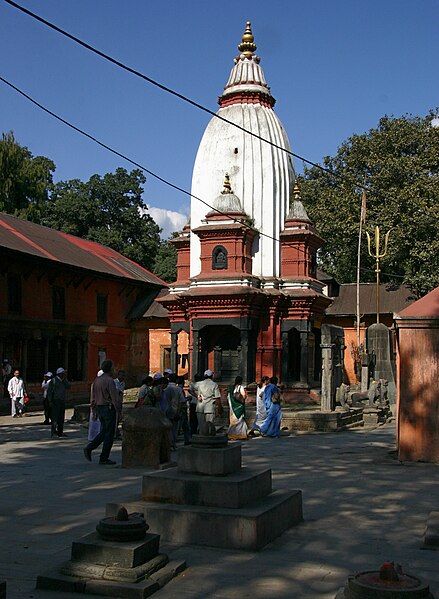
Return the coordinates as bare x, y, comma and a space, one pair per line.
271, 397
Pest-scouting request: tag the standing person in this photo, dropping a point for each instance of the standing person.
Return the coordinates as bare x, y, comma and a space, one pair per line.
144, 395
6, 376
236, 398
119, 381
104, 397
175, 399
271, 397
261, 411
16, 393
193, 392
44, 387
184, 418
56, 396
208, 393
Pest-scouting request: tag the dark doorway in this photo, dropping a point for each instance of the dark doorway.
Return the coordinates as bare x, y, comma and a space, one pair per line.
220, 351
294, 355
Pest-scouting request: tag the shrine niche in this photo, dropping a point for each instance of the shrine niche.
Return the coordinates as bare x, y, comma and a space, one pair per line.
219, 258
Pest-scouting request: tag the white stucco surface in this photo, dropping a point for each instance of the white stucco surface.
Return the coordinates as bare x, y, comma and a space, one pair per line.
260, 175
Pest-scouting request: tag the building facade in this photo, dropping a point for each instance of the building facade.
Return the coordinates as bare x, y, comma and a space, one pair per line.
69, 302
247, 296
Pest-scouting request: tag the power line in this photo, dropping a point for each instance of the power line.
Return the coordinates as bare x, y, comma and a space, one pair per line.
173, 92
137, 164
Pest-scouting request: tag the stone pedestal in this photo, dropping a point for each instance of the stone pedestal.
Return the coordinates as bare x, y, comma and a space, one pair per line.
131, 569
209, 499
145, 440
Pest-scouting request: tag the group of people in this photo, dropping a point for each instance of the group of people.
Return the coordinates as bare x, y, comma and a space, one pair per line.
187, 413
190, 413
54, 391
268, 409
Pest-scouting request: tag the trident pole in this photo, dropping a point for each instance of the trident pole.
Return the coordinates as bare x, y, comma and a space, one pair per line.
377, 257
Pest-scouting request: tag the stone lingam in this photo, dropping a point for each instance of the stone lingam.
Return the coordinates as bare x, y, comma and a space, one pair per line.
120, 559
389, 582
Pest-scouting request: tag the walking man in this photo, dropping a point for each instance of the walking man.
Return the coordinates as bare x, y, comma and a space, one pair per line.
105, 400
56, 396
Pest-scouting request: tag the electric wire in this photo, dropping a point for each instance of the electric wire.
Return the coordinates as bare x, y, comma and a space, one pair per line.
146, 170
169, 90
137, 164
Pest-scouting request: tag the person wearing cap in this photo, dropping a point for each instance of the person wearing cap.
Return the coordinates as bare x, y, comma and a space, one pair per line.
167, 372
105, 400
208, 393
16, 393
56, 396
44, 386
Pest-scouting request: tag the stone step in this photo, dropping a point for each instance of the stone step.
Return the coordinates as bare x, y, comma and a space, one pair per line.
249, 528
233, 491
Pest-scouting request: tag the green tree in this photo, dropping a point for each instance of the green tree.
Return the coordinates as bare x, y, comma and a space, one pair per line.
108, 210
165, 264
25, 180
398, 163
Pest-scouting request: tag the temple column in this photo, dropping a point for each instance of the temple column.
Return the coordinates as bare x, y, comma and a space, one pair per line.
304, 357
243, 356
174, 354
195, 352
285, 375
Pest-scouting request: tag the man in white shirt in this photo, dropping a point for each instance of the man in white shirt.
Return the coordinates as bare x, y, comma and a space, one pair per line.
208, 393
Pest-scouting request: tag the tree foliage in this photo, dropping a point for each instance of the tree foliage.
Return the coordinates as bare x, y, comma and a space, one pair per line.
165, 264
25, 180
108, 210
398, 163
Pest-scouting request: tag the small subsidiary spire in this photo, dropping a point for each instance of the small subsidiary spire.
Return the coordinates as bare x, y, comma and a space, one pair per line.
247, 46
296, 192
227, 186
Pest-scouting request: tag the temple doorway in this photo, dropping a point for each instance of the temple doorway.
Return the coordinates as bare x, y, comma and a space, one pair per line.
221, 351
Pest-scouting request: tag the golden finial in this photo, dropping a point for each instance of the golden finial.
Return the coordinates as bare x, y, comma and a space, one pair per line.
296, 192
227, 187
247, 46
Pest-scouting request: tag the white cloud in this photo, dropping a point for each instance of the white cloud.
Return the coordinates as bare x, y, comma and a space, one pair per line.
168, 220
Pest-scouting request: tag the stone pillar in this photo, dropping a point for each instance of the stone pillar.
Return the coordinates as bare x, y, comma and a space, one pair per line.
304, 357
285, 375
379, 341
243, 356
327, 373
195, 353
174, 354
365, 360
217, 360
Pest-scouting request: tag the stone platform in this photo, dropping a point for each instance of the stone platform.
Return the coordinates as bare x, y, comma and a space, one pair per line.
209, 499
316, 420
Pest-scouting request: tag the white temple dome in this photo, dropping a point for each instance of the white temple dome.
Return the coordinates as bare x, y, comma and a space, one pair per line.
262, 175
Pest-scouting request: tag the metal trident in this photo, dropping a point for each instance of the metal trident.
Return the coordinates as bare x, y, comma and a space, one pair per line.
377, 257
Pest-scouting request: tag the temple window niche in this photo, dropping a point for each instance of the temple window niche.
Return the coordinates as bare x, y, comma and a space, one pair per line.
219, 258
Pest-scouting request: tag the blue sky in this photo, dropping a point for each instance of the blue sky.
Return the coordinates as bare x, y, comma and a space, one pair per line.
334, 68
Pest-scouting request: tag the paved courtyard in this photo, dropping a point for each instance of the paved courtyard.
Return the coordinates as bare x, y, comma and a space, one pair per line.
361, 508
